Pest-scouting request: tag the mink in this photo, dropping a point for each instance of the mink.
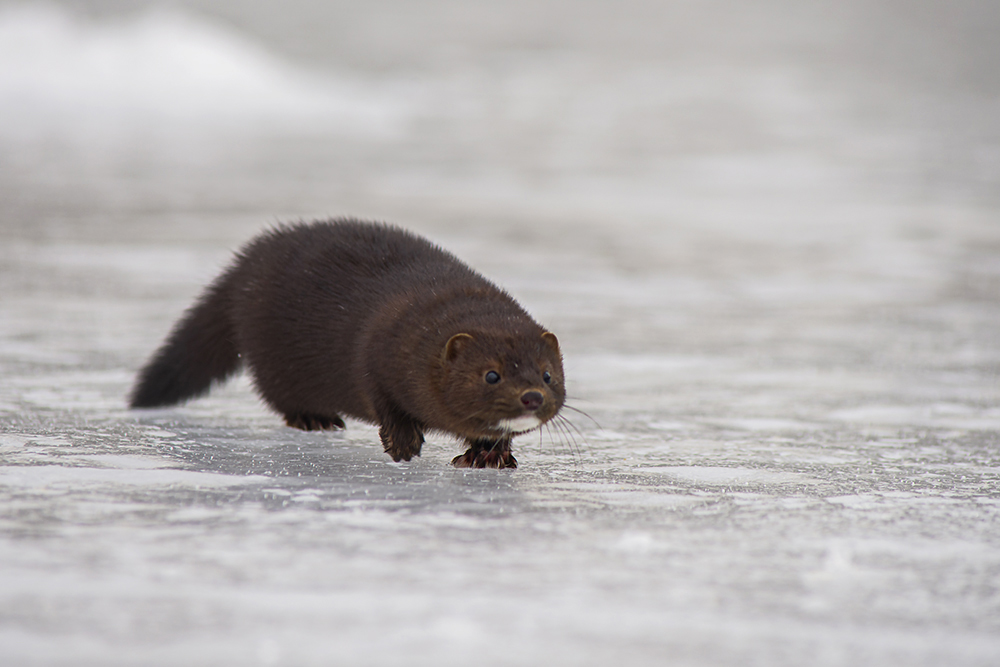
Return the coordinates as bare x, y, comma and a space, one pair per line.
366, 320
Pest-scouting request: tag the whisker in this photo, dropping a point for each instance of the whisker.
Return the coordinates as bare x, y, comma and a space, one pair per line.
556, 439
570, 407
570, 427
566, 436
554, 436
574, 427
563, 444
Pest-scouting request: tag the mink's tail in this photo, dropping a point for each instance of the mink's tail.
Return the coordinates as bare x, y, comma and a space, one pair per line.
200, 350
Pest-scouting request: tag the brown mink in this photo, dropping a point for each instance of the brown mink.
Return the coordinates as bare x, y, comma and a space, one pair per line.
345, 317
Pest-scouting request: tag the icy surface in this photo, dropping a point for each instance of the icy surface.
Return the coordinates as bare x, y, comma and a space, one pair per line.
770, 250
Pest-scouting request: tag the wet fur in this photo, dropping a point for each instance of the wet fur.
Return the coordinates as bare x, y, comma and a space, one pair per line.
369, 321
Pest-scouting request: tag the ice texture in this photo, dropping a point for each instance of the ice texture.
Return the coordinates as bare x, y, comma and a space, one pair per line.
768, 245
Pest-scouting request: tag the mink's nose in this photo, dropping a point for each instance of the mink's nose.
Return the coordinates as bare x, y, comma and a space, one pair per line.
531, 400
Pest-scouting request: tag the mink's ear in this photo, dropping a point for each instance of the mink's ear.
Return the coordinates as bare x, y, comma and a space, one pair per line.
455, 345
551, 340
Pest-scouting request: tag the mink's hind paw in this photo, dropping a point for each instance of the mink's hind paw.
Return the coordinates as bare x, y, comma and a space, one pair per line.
308, 422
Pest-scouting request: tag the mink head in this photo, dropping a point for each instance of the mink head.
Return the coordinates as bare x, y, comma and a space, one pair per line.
501, 384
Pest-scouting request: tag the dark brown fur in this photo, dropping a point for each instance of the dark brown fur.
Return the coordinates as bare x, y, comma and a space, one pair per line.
369, 321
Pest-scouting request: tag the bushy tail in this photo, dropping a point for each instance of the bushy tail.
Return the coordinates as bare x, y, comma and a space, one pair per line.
200, 350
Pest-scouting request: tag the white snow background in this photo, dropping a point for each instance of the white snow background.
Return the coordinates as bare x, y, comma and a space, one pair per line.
767, 237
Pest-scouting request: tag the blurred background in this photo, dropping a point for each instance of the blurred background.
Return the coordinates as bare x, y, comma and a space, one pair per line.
855, 141
766, 234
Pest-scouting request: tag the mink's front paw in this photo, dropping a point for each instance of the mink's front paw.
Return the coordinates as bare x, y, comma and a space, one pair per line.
401, 441
486, 454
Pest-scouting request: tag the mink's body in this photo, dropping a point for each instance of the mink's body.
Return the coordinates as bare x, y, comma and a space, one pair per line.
372, 322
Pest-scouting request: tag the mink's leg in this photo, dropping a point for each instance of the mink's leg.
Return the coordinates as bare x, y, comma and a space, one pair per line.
311, 422
487, 453
401, 437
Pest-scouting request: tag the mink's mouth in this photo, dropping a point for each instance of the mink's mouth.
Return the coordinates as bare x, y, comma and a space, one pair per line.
517, 425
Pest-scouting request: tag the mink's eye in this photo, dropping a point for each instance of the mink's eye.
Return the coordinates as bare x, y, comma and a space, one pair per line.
492, 377
546, 377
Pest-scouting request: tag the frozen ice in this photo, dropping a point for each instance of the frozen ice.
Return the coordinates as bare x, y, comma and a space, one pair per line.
767, 239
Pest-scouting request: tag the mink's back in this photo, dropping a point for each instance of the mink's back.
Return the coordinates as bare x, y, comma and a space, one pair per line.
345, 265
305, 293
